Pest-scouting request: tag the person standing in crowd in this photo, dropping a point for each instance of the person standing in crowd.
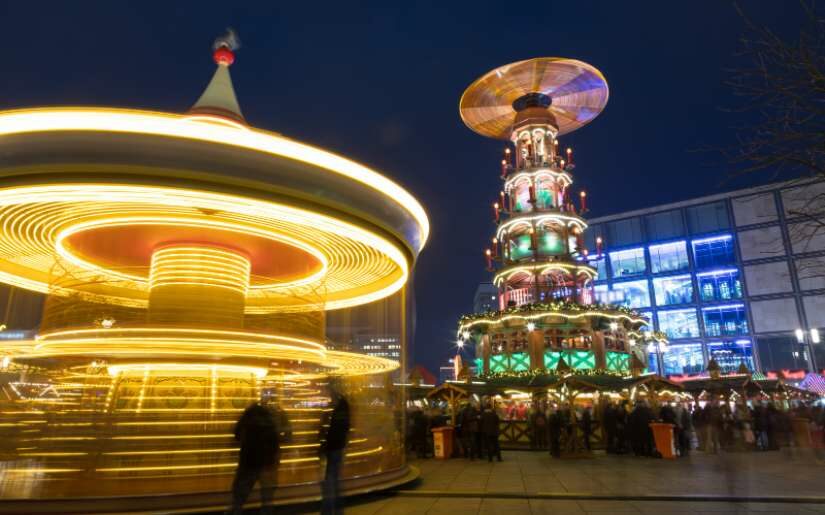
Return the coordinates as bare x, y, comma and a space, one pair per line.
641, 435
686, 430
622, 413
587, 426
333, 442
715, 423
609, 424
539, 424
469, 432
258, 459
554, 426
489, 428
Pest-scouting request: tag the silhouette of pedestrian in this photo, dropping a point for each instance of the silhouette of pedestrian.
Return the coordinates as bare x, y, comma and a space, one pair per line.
333, 442
257, 433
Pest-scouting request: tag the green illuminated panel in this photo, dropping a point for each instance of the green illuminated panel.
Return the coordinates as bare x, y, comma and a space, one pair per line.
551, 359
522, 247
545, 198
519, 362
618, 361
498, 363
551, 243
581, 359
479, 365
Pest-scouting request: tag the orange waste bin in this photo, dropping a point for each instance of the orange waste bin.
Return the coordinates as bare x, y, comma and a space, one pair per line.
663, 435
443, 442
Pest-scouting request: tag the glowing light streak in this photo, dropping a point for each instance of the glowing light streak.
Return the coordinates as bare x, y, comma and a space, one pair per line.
538, 219
177, 126
568, 316
534, 175
543, 268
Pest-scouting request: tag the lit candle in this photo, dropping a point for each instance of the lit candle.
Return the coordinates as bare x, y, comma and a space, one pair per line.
583, 196
570, 155
495, 210
599, 245
501, 198
507, 155
503, 167
495, 247
561, 164
489, 257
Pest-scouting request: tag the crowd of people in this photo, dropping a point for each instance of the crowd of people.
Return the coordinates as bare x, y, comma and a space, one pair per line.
625, 426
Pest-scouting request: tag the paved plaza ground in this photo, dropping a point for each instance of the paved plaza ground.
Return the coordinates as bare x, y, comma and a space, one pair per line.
534, 483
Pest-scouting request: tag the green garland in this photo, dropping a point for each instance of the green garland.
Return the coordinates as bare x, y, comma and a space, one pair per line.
536, 372
556, 306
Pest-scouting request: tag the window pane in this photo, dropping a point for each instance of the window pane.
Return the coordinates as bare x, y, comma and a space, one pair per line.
669, 257
520, 247
602, 297
732, 353
708, 218
665, 225
649, 316
600, 264
673, 290
782, 352
720, 285
714, 252
624, 232
627, 262
634, 294
725, 320
684, 358
679, 323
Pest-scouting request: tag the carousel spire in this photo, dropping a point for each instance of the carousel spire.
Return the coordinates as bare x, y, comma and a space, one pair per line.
218, 99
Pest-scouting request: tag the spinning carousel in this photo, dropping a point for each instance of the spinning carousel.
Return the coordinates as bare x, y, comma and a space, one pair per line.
189, 262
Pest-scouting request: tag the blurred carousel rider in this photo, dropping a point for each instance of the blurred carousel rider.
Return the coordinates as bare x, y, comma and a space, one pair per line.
257, 433
333, 442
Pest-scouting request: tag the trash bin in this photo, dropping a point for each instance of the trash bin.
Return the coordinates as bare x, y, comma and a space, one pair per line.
663, 436
443, 442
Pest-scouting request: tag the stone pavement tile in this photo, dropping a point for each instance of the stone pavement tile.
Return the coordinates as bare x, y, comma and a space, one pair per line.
504, 506
607, 506
763, 507
658, 507
368, 507
455, 506
407, 506
554, 507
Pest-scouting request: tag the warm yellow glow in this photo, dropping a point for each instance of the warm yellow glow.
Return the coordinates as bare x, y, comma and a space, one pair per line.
199, 265
542, 173
185, 367
183, 126
543, 268
537, 220
358, 266
569, 316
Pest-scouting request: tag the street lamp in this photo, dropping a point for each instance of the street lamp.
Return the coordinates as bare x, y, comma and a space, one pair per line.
802, 338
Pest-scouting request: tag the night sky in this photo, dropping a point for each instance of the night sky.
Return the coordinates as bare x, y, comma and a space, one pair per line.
381, 84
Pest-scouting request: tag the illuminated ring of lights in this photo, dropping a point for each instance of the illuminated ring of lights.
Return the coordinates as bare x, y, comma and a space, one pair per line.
180, 344
541, 314
361, 266
513, 180
68, 255
186, 127
536, 219
506, 274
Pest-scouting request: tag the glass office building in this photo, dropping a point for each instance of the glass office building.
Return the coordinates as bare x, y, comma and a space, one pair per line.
731, 276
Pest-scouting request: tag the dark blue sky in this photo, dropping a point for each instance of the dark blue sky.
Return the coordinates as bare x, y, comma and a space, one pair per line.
381, 84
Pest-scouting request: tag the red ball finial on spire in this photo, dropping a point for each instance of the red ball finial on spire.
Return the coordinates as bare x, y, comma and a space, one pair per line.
223, 55
223, 49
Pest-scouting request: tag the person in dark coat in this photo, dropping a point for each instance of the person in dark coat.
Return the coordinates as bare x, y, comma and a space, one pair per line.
258, 458
489, 428
587, 426
554, 426
539, 424
641, 435
609, 423
470, 427
333, 442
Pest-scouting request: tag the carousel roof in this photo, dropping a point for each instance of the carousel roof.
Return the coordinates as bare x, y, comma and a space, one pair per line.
573, 92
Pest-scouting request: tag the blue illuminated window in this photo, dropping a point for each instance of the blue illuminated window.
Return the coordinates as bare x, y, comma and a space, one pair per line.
728, 320
628, 262
720, 285
731, 354
714, 252
673, 290
683, 358
633, 294
668, 257
649, 316
679, 323
600, 264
